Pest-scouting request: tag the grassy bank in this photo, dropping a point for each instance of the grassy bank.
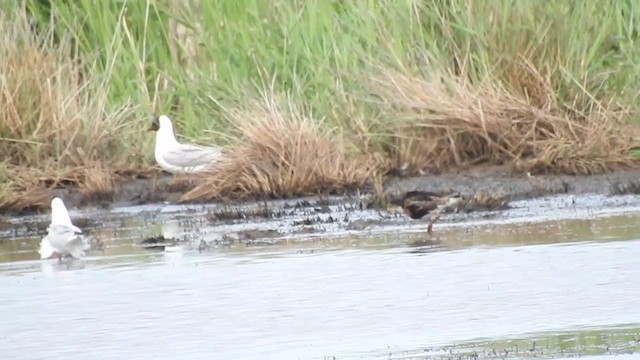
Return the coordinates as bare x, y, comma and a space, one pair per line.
313, 95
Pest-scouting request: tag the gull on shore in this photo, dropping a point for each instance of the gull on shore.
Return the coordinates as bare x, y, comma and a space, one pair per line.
62, 236
175, 157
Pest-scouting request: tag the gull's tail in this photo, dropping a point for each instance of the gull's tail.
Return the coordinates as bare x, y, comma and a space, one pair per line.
46, 250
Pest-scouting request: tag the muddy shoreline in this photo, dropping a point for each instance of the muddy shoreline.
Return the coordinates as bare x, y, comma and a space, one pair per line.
491, 181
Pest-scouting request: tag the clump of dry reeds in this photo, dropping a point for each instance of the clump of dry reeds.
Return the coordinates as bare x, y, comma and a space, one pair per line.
19, 200
49, 113
442, 121
97, 184
281, 152
57, 127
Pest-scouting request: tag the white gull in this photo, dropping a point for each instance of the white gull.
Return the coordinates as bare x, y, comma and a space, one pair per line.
175, 157
62, 236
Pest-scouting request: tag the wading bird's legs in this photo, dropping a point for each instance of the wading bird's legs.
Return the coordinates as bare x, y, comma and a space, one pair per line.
59, 259
434, 218
430, 227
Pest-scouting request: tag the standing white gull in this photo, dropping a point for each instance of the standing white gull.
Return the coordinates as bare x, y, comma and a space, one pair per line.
175, 157
62, 236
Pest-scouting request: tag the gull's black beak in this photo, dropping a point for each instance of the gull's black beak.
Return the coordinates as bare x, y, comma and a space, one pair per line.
155, 125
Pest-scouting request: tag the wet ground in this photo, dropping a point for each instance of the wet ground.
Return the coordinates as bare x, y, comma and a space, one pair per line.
493, 181
552, 277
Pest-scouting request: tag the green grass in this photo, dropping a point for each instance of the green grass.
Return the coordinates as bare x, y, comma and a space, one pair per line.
320, 50
339, 61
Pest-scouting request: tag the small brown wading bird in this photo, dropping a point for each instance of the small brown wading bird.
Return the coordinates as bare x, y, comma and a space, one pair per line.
418, 204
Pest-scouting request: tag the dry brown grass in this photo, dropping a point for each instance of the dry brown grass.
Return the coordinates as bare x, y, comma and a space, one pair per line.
281, 152
97, 184
444, 122
18, 200
57, 128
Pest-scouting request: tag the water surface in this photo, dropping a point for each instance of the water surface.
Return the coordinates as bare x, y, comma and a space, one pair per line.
482, 289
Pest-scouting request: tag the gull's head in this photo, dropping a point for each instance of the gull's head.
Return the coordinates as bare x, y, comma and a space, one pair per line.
57, 205
59, 213
161, 123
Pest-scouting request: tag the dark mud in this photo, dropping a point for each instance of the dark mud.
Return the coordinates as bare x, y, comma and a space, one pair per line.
500, 180
291, 223
488, 182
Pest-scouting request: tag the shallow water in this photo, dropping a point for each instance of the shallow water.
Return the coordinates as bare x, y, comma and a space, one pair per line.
509, 285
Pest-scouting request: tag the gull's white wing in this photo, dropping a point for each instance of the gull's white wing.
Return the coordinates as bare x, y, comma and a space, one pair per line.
65, 239
189, 155
60, 235
61, 230
76, 247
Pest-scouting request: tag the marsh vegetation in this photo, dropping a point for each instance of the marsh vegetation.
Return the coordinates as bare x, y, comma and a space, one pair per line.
312, 96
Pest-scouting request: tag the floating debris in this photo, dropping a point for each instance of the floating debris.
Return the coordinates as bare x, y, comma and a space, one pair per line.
158, 243
240, 214
314, 220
